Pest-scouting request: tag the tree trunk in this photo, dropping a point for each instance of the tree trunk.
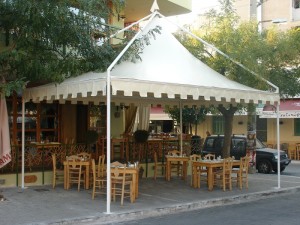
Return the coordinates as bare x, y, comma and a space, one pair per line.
251, 136
228, 119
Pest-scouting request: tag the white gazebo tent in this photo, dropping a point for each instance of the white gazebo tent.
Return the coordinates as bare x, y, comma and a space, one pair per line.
167, 74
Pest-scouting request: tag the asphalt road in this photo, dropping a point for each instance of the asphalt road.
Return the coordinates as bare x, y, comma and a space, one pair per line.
293, 169
271, 211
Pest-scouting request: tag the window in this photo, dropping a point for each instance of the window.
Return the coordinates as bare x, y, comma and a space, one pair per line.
297, 126
41, 121
97, 118
261, 129
218, 124
296, 4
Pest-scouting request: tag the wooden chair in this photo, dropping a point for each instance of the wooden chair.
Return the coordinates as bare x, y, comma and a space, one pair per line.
176, 167
203, 169
209, 157
57, 174
241, 172
298, 151
158, 166
284, 147
121, 185
292, 152
194, 158
85, 155
223, 175
98, 181
119, 146
101, 166
75, 173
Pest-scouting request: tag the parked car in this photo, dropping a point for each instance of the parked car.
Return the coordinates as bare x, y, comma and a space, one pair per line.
266, 158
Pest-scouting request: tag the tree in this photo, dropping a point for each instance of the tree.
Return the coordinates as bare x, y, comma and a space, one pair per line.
228, 118
190, 116
48, 41
272, 54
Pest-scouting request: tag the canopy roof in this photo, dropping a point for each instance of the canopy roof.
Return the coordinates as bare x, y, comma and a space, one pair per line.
167, 73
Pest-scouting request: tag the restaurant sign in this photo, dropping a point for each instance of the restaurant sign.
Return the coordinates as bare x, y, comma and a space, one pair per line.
282, 114
287, 109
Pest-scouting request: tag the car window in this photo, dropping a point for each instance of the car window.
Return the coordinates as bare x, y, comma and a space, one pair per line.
218, 144
238, 142
210, 143
238, 148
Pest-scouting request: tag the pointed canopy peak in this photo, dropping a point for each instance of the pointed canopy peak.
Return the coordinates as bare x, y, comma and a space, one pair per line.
154, 7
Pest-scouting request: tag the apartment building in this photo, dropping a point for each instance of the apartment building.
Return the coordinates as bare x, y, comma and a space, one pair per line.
283, 13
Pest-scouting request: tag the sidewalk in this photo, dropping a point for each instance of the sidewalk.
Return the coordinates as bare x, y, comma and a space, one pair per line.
43, 205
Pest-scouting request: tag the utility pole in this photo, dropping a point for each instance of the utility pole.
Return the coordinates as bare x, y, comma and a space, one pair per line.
259, 15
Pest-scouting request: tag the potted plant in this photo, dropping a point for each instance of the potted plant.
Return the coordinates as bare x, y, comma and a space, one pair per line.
91, 137
141, 136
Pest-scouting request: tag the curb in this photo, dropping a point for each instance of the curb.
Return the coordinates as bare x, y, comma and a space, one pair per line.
121, 217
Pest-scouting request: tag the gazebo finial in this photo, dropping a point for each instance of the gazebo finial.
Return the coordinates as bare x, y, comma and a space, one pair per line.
154, 7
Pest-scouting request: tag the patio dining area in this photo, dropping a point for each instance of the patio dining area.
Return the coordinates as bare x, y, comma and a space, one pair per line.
141, 89
44, 205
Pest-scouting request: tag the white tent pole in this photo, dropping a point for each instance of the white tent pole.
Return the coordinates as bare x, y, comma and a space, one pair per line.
278, 145
23, 143
108, 109
181, 130
108, 134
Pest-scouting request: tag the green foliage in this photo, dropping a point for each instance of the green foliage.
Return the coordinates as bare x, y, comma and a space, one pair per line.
9, 87
91, 136
141, 136
48, 41
272, 54
134, 51
190, 116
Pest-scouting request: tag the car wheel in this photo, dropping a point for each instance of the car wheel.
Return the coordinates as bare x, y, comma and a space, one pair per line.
264, 166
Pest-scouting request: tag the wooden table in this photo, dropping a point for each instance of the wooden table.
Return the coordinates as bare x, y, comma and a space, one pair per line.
135, 179
171, 159
87, 165
209, 164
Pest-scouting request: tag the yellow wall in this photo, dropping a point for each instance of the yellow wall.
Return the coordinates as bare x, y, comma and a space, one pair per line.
11, 179
117, 124
237, 128
286, 130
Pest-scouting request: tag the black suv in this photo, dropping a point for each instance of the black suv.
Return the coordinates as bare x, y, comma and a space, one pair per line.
266, 158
